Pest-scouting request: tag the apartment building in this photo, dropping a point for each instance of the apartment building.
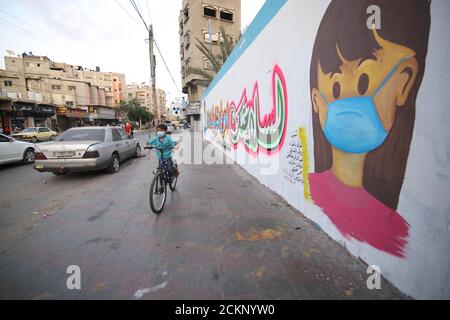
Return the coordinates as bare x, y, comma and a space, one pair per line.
161, 103
143, 94
36, 91
202, 20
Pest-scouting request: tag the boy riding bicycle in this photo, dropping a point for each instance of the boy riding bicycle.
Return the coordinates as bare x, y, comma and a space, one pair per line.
164, 146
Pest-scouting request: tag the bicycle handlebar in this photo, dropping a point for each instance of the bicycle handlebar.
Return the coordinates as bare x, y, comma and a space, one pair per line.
151, 148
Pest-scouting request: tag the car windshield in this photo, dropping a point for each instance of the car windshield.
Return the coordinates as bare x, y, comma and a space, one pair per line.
83, 135
29, 130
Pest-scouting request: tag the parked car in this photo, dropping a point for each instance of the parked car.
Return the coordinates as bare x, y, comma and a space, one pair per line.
86, 149
12, 150
35, 134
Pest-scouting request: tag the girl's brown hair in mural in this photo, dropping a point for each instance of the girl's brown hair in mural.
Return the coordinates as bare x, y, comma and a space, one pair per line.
380, 71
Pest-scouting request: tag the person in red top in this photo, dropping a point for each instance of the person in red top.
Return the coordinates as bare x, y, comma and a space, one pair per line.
7, 130
128, 128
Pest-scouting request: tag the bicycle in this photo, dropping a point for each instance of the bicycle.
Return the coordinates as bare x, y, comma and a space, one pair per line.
158, 187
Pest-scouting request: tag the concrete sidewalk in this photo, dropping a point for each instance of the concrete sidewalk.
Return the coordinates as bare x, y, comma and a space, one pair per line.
229, 237
222, 235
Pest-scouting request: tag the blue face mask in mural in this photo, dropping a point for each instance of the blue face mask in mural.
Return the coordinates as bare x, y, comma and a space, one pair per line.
160, 134
353, 124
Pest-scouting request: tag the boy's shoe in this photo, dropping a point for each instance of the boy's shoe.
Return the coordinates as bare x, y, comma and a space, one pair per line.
176, 172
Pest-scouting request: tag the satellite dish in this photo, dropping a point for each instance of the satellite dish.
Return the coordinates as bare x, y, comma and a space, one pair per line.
10, 52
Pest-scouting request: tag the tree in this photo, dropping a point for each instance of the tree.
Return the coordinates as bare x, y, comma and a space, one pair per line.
133, 111
217, 60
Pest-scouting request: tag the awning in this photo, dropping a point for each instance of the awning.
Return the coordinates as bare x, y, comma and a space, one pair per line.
32, 109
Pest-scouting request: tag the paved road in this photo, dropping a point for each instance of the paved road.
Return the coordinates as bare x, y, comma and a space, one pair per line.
222, 236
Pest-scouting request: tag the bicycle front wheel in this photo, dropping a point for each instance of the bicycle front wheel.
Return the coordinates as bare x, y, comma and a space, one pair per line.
158, 194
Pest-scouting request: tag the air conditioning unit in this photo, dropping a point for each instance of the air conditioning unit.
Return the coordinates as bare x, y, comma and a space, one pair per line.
32, 95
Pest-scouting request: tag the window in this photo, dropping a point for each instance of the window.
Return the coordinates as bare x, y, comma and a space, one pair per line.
187, 39
8, 83
209, 12
207, 63
83, 135
116, 135
3, 138
186, 14
123, 134
43, 130
56, 87
214, 37
71, 88
39, 65
69, 103
226, 15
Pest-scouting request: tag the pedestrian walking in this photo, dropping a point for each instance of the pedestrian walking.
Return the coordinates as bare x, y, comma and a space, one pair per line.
128, 128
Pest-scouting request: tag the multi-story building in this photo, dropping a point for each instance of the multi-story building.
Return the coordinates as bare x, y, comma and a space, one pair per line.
203, 20
161, 105
39, 91
114, 84
143, 94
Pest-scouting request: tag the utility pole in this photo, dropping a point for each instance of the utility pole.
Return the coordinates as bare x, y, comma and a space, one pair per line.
152, 71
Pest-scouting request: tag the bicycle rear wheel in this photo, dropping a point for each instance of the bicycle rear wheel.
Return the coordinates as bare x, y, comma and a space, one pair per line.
173, 183
158, 194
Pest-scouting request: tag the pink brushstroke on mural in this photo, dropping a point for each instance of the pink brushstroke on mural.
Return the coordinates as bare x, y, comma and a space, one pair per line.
359, 215
270, 118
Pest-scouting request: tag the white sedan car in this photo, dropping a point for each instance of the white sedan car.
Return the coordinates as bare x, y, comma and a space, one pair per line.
12, 150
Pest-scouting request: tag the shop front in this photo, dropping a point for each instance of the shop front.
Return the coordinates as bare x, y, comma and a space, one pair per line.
71, 117
101, 116
193, 112
5, 115
28, 114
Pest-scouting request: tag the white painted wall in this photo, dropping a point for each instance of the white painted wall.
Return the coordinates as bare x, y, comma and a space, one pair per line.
424, 200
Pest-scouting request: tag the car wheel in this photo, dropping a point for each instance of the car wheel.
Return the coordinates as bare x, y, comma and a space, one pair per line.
138, 151
28, 156
114, 165
34, 139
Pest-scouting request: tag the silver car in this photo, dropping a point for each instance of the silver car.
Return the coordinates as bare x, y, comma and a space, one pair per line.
86, 149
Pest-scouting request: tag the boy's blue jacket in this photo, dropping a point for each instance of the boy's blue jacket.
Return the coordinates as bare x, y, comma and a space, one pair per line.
166, 143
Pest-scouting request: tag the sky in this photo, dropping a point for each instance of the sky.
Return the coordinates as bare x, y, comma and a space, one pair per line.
104, 33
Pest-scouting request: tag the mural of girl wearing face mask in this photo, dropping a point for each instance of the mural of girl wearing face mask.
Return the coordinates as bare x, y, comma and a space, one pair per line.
364, 84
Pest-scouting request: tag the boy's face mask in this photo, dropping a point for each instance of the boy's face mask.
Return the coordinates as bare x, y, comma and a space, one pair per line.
160, 133
353, 124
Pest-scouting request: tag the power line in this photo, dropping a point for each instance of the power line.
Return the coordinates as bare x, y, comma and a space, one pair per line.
139, 13
33, 36
29, 35
34, 28
128, 14
136, 8
165, 12
168, 70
